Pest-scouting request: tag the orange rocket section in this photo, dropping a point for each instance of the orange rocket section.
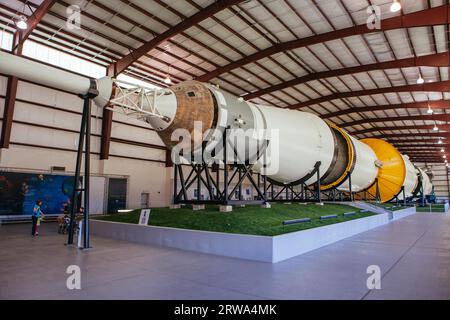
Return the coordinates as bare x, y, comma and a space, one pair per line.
392, 171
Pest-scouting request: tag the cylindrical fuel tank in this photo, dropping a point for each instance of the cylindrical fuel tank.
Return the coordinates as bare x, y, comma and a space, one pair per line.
299, 139
365, 170
37, 72
392, 171
426, 183
411, 179
304, 140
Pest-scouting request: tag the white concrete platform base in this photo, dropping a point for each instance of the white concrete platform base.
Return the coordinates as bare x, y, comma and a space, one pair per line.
399, 214
266, 205
197, 207
250, 247
175, 206
240, 206
225, 208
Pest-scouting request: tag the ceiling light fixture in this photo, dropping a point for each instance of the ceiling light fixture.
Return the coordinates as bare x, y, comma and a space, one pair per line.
442, 150
429, 111
444, 156
21, 22
396, 6
167, 80
420, 80
435, 128
440, 141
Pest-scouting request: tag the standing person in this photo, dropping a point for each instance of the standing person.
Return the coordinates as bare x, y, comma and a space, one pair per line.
37, 213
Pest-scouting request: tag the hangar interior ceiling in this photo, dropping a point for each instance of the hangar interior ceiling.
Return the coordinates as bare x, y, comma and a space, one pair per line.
310, 55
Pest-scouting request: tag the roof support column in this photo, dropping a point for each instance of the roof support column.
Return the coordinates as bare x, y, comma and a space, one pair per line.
107, 120
10, 101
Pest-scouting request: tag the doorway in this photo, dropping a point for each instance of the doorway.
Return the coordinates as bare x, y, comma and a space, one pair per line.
117, 194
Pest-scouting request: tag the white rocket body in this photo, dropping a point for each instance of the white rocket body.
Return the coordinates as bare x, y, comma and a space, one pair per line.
303, 138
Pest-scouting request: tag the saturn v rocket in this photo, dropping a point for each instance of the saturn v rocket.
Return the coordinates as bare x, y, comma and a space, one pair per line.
304, 139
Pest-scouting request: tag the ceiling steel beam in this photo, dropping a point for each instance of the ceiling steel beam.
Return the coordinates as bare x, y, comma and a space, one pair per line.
436, 104
32, 22
189, 22
432, 117
439, 86
426, 149
432, 60
445, 127
417, 141
426, 160
429, 17
424, 134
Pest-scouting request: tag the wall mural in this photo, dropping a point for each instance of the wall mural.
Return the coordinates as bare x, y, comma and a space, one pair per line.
20, 191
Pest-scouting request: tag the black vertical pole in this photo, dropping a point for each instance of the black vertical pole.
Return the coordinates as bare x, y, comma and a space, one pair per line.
318, 184
218, 181
240, 184
265, 173
87, 173
85, 129
272, 191
74, 198
175, 183
422, 196
350, 186
199, 174
302, 189
404, 196
225, 168
377, 194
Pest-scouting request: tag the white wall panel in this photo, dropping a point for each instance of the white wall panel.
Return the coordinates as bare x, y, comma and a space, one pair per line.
144, 135
2, 107
137, 151
22, 133
3, 83
31, 92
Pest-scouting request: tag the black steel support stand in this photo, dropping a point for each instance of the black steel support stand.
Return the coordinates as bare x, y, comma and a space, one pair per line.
318, 195
377, 191
224, 194
404, 196
350, 187
84, 141
422, 197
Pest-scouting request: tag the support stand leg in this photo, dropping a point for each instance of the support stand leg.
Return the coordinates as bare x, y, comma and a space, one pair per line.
84, 141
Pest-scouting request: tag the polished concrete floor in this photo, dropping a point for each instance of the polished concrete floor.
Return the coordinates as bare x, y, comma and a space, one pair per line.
413, 254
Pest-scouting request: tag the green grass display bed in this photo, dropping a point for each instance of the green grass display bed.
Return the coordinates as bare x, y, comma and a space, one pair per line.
391, 206
434, 208
248, 220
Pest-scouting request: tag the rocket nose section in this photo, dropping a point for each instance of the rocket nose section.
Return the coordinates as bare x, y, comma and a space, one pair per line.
166, 106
